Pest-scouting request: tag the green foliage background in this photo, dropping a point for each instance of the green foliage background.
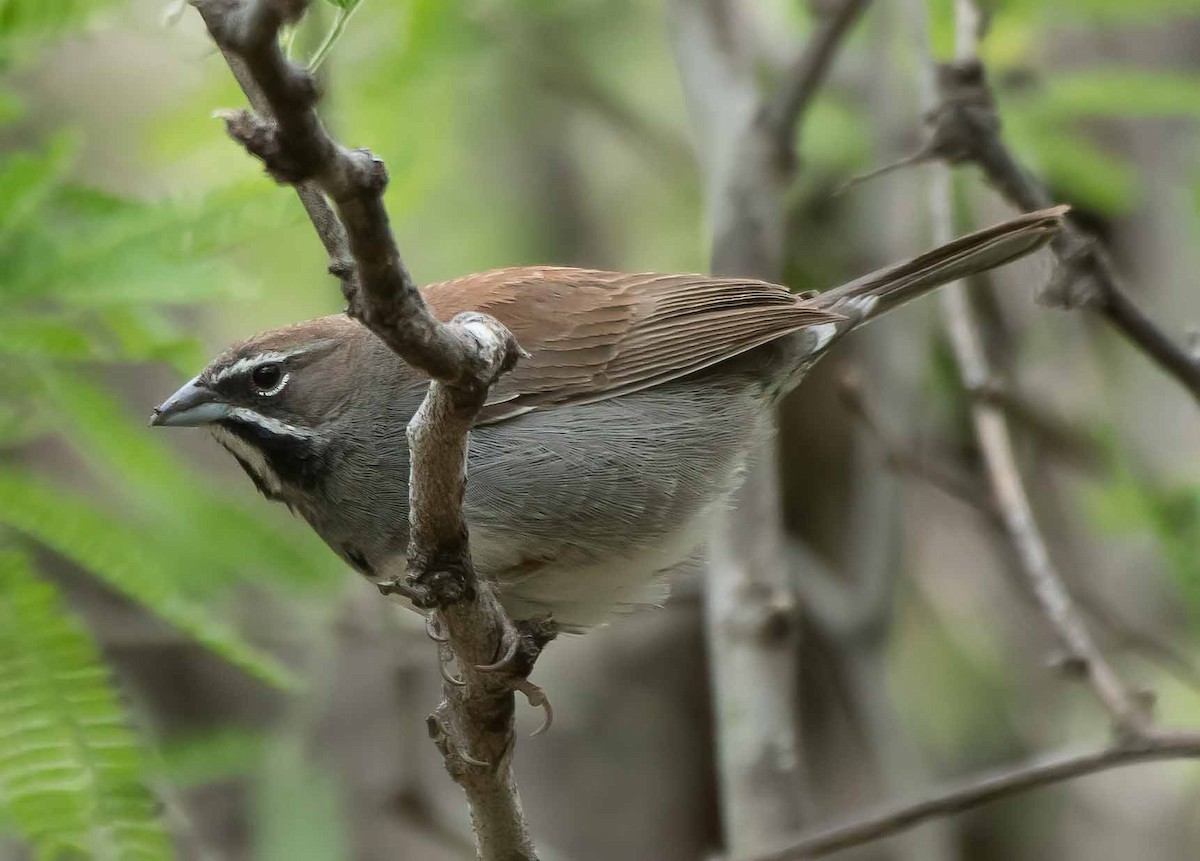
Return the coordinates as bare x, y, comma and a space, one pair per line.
471, 104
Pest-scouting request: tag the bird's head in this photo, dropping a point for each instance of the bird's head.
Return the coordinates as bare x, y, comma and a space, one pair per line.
274, 399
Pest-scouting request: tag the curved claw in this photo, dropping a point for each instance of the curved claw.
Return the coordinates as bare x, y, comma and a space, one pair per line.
537, 697
444, 659
504, 662
433, 628
466, 757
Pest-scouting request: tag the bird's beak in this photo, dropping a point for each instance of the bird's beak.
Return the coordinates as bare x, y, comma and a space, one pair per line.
194, 404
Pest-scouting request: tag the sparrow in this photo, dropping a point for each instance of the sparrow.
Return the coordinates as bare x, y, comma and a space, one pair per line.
597, 465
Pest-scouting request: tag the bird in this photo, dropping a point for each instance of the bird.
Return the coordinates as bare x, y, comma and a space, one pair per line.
597, 466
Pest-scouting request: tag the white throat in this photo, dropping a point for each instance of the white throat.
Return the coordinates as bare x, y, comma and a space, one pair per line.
251, 457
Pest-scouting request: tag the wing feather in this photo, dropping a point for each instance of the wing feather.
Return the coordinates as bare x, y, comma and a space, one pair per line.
595, 335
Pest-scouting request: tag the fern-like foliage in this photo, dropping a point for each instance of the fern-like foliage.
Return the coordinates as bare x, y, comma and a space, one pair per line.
90, 279
70, 767
122, 558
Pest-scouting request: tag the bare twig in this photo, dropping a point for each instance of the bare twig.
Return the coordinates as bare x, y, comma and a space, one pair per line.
327, 225
1137, 740
473, 726
819, 590
901, 458
985, 789
995, 440
966, 129
295, 148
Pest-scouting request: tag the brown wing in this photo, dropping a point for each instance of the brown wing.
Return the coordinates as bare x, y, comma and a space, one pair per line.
596, 335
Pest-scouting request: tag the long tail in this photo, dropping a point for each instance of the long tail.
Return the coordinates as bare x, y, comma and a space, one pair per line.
881, 291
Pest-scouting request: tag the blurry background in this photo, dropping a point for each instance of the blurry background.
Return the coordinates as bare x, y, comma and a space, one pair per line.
165, 633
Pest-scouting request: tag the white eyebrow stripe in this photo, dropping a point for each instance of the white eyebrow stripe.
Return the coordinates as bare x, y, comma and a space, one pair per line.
245, 364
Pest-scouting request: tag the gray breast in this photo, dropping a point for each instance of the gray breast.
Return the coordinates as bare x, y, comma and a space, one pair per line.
582, 483
570, 487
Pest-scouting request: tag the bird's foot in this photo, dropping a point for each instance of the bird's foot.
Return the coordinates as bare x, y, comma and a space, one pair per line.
537, 698
429, 589
522, 644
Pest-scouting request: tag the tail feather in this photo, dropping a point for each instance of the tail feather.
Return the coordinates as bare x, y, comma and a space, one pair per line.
881, 291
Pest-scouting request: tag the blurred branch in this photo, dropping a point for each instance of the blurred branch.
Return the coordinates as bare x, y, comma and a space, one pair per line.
568, 78
1052, 433
901, 458
782, 114
965, 129
977, 791
473, 726
1153, 648
751, 619
1129, 717
1137, 739
833, 611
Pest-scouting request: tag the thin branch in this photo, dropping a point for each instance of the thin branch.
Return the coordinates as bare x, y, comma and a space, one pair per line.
1136, 740
995, 440
832, 610
783, 113
1153, 648
966, 129
327, 225
473, 727
983, 790
295, 148
901, 458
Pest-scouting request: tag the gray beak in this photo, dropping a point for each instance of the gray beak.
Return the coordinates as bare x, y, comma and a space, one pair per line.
194, 404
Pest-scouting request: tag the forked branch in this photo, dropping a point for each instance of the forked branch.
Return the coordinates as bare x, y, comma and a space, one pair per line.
473, 727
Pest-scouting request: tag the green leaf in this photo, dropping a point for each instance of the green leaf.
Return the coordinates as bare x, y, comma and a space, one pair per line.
93, 251
1072, 164
195, 760
44, 336
28, 179
1113, 93
26, 19
71, 772
178, 506
298, 810
1085, 12
118, 556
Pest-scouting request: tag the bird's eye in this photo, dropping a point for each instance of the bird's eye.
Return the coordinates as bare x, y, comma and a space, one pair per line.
268, 379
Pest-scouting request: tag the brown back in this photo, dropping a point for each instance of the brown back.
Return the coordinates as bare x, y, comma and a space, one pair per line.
596, 335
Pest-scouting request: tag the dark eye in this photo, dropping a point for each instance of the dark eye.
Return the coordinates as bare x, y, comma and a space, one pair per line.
268, 379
